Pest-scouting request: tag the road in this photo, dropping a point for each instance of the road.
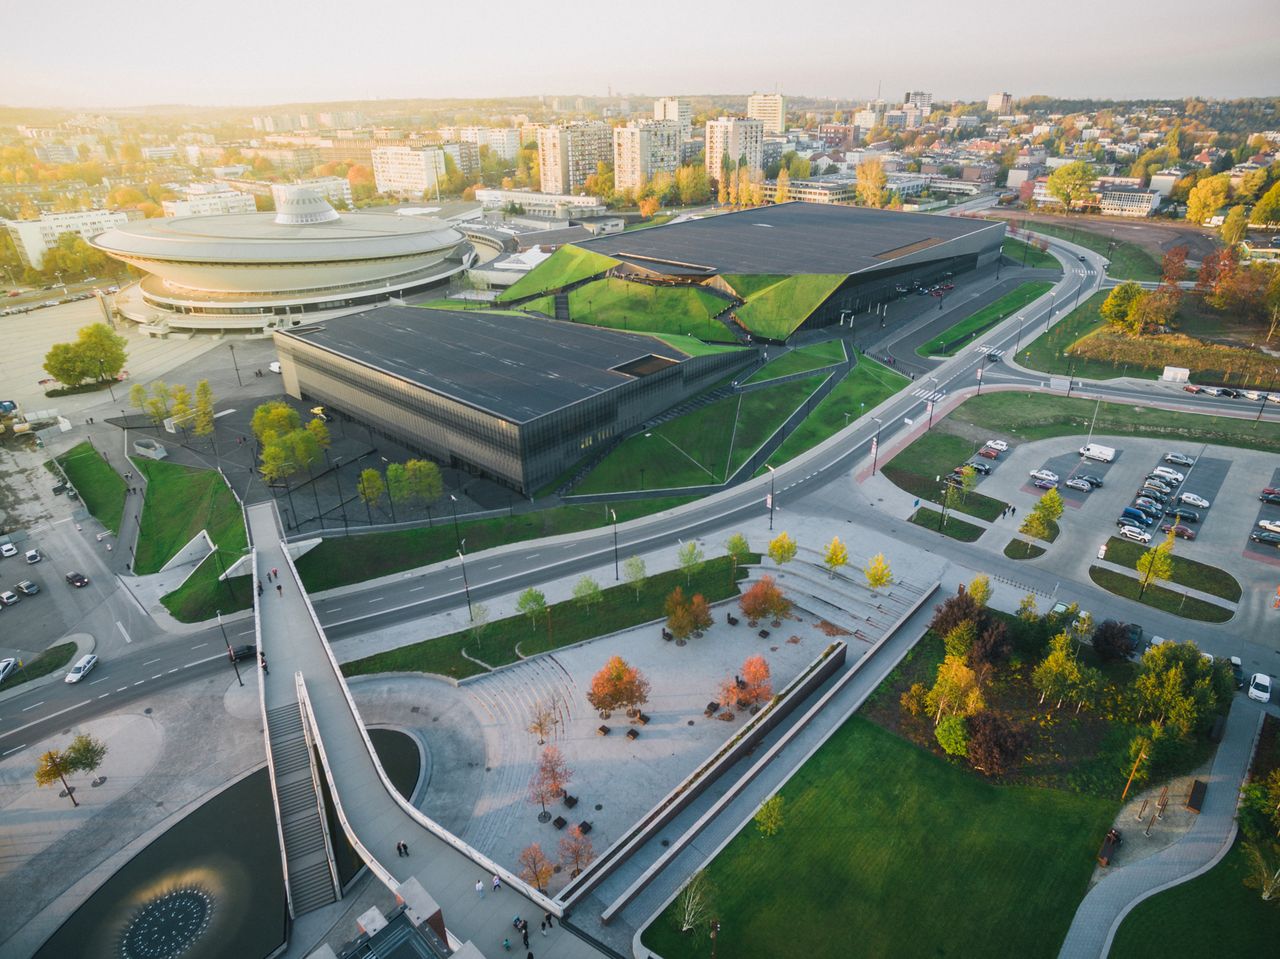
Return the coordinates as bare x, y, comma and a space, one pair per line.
136, 671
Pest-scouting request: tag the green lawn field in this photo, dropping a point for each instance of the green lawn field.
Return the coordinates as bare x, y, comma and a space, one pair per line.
100, 487
1026, 254
776, 310
180, 502
935, 454
566, 265
1186, 572
625, 305
1157, 597
960, 334
805, 358
1128, 260
887, 850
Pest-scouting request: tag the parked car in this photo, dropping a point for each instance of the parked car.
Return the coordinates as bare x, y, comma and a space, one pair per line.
1191, 499
1049, 475
1252, 394
1152, 493
1271, 489
1179, 459
1265, 538
1178, 530
1270, 525
982, 468
1165, 473
8, 598
1192, 388
1230, 393
1211, 391
1237, 671
6, 667
1272, 498
27, 588
77, 580
1000, 445
1158, 483
237, 653
953, 480
1183, 515
1147, 505
274, 366
8, 549
1132, 517
1044, 484
1135, 534
989, 453
82, 668
1079, 484
1260, 687
1094, 481
33, 556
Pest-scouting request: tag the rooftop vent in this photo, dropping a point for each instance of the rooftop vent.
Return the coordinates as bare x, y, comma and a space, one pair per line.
298, 206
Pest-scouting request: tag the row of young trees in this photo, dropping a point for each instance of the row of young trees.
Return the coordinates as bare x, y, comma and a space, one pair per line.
835, 556
163, 401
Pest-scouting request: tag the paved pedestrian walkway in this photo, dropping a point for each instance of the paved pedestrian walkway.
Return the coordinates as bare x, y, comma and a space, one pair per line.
293, 643
1107, 903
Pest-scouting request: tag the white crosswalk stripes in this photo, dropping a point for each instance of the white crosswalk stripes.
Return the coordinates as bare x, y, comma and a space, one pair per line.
931, 396
986, 348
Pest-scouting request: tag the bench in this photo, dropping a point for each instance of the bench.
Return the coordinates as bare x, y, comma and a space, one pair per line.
642, 719
633, 733
1107, 852
764, 634
667, 635
1195, 798
559, 822
584, 827
570, 801
731, 619
710, 710
602, 730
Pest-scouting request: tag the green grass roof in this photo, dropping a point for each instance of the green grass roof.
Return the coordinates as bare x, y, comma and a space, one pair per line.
566, 265
775, 311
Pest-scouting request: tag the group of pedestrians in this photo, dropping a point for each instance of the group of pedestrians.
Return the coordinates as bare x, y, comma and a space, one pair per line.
274, 575
1009, 511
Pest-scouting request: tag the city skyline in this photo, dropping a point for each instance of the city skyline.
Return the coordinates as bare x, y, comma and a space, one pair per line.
289, 55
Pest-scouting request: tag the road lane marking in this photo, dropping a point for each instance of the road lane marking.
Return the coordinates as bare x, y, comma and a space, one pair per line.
534, 555
247, 632
202, 644
122, 689
334, 609
96, 681
33, 705
150, 661
174, 670
157, 675
104, 695
453, 579
494, 566
139, 682
378, 600
13, 750
120, 626
414, 589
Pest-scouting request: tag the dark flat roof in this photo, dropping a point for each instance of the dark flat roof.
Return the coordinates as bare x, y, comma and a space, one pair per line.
516, 367
789, 238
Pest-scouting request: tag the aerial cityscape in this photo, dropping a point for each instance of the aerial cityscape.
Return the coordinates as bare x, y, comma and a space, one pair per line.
918, 385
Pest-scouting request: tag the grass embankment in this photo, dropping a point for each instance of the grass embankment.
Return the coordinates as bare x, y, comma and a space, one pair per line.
1214, 914
1186, 572
507, 640
747, 285
1024, 854
180, 502
955, 528
693, 346
100, 487
1039, 416
50, 661
1157, 597
641, 307
950, 340
656, 220
1128, 260
865, 387
705, 446
802, 360
1021, 549
1048, 351
543, 304
341, 561
773, 312
935, 454
1024, 254
566, 265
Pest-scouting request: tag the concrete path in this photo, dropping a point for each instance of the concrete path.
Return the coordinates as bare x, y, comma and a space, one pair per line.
293, 644
1104, 908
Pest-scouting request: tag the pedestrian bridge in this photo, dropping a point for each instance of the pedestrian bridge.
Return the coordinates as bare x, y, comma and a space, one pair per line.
316, 740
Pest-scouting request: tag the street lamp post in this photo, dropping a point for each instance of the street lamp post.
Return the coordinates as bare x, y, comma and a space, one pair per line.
946, 492
875, 445
230, 654
454, 502
232, 348
466, 585
614, 514
391, 500
342, 503
771, 496
102, 376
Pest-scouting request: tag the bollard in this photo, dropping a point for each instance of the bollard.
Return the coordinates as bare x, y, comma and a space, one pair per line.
1143, 811
1147, 831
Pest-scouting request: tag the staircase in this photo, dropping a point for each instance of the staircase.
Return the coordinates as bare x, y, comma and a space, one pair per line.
562, 306
310, 878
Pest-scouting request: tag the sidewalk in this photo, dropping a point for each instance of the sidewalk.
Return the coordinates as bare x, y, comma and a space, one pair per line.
1104, 908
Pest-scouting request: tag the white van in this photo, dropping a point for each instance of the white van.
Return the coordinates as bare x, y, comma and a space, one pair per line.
81, 668
1095, 451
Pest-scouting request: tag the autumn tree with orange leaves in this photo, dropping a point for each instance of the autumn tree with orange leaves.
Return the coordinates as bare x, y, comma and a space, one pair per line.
575, 851
618, 685
764, 600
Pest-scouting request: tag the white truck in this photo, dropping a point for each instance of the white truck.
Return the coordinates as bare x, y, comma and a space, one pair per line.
1095, 451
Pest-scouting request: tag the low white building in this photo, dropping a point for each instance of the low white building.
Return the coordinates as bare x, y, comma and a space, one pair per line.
1127, 201
202, 199
335, 189
33, 238
1164, 181
558, 206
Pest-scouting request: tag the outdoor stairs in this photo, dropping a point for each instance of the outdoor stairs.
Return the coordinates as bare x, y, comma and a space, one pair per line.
562, 306
309, 879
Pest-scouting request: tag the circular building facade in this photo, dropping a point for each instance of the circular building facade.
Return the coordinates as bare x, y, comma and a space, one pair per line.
255, 272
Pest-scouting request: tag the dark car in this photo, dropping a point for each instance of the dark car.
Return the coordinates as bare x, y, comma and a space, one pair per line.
1150, 492
1044, 484
77, 580
1182, 514
1273, 498
1182, 532
982, 468
1134, 519
1265, 538
1159, 482
59, 489
237, 653
1094, 481
991, 454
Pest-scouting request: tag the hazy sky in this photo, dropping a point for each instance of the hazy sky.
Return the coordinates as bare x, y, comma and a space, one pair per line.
129, 52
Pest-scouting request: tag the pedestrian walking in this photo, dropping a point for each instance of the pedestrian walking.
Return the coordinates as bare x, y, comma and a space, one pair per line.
550, 921
262, 661
524, 935
1013, 511
544, 927
479, 888
497, 883
279, 590
506, 944
274, 571
259, 588
530, 955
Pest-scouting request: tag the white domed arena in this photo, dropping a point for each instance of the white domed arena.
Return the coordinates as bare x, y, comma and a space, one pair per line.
250, 273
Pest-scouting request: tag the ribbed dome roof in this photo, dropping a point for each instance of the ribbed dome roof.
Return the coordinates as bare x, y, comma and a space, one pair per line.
298, 206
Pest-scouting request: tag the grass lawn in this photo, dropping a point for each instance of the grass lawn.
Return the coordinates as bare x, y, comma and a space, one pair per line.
933, 455
961, 334
1158, 597
1128, 260
1017, 251
1041, 416
543, 304
50, 661
800, 361
180, 502
1048, 351
775, 311
570, 622
1021, 549
955, 528
871, 824
701, 447
343, 560
865, 387
747, 285
203, 594
625, 305
656, 220
566, 265
694, 346
100, 487
1186, 572
1212, 915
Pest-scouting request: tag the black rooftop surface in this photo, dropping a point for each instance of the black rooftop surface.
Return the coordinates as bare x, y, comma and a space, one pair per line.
788, 238
516, 367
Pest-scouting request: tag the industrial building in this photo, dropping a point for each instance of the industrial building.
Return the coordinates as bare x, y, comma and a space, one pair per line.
516, 399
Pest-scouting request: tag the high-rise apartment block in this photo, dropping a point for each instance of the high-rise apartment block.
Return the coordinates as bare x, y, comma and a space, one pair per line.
734, 139
919, 99
674, 108
872, 116
203, 199
502, 141
32, 238
642, 149
407, 171
335, 189
770, 109
569, 153
999, 103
